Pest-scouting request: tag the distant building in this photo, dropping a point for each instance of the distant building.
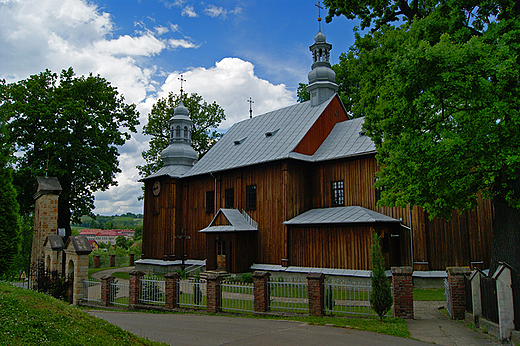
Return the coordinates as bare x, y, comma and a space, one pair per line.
106, 236
93, 245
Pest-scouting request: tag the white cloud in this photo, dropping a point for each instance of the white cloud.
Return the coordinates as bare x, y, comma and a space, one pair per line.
189, 11
57, 34
215, 11
230, 83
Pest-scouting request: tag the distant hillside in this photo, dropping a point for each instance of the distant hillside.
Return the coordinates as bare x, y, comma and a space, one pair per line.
30, 318
125, 221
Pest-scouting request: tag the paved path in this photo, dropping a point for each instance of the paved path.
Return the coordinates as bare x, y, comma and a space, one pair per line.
432, 325
98, 275
208, 330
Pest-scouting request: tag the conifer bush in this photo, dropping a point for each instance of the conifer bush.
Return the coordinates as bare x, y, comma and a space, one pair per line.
381, 298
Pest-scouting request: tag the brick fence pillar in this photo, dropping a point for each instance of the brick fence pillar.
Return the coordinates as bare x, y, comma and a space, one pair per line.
402, 284
261, 291
96, 261
457, 291
316, 293
111, 260
134, 287
170, 299
213, 295
105, 289
131, 259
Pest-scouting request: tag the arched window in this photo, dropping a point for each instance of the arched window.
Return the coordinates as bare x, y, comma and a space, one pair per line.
178, 132
185, 132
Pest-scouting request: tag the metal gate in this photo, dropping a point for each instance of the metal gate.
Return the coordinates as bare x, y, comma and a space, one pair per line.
448, 299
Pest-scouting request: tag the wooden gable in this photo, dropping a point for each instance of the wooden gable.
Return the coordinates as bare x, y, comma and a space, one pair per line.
333, 114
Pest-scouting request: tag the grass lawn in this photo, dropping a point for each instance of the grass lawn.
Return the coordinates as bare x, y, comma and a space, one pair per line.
428, 294
30, 318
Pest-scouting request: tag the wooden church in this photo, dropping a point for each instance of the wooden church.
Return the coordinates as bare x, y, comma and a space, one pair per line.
294, 187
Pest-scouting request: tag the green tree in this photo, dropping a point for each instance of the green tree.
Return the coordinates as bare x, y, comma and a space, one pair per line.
440, 99
206, 118
301, 93
9, 216
122, 242
381, 298
68, 127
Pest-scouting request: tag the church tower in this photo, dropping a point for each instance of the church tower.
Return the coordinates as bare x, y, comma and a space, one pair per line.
179, 153
322, 79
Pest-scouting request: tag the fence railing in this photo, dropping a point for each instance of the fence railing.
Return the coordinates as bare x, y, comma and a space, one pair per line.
237, 296
119, 294
289, 295
342, 297
264, 294
191, 293
152, 291
448, 297
91, 291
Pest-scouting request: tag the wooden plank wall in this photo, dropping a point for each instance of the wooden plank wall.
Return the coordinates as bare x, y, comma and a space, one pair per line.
159, 215
440, 243
288, 188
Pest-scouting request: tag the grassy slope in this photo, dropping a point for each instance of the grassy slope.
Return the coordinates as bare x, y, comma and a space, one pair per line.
31, 318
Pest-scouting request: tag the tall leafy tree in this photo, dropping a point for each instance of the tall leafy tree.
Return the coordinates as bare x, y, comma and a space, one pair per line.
69, 127
206, 118
10, 240
440, 98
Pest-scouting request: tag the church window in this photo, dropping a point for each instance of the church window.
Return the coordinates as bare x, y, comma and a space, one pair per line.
251, 197
178, 132
338, 193
186, 132
229, 199
210, 201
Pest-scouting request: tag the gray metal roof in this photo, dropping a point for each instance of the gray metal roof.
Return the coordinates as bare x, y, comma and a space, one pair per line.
339, 215
346, 139
237, 222
273, 136
171, 171
268, 137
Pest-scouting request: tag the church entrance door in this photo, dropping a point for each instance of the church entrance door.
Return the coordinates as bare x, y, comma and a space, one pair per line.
221, 255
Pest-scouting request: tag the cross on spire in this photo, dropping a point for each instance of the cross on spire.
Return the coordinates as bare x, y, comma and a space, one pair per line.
250, 107
319, 10
181, 78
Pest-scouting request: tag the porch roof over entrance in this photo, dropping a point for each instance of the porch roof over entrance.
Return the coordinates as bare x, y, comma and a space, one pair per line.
339, 215
235, 221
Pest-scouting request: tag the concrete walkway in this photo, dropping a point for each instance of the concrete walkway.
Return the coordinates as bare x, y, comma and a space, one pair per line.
209, 330
110, 271
432, 325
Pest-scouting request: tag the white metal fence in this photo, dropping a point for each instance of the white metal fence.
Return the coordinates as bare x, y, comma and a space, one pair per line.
237, 296
289, 295
191, 293
152, 291
342, 297
91, 291
119, 294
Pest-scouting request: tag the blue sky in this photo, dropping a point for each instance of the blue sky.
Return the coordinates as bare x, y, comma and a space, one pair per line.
227, 50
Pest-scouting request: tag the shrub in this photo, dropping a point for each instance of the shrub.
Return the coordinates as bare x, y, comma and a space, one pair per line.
381, 297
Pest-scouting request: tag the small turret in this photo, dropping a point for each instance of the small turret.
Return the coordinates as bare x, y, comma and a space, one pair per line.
322, 78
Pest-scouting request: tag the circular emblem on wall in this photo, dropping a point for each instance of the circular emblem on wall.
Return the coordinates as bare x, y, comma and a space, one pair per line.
156, 188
